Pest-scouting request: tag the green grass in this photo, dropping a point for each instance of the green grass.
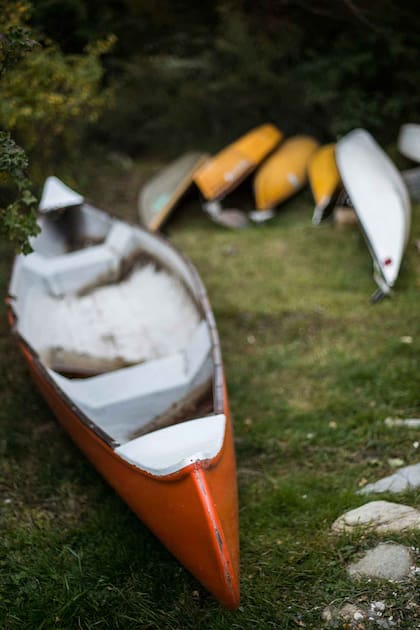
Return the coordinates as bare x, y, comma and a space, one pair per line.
313, 370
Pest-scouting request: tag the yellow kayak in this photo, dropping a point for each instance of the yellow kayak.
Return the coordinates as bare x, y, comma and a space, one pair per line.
225, 171
282, 175
324, 180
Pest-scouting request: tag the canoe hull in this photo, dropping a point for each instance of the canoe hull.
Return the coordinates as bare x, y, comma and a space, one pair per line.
222, 173
194, 512
324, 180
380, 200
158, 428
409, 141
159, 196
284, 173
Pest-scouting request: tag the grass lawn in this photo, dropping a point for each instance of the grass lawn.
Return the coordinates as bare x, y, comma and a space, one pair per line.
312, 369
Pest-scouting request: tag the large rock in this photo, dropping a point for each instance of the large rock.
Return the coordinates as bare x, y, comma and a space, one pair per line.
379, 516
407, 478
387, 561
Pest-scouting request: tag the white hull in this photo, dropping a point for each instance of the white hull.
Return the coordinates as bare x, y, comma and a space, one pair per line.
409, 141
380, 199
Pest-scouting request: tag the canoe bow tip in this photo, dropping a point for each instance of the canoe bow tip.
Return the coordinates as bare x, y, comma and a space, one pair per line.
232, 602
223, 584
228, 591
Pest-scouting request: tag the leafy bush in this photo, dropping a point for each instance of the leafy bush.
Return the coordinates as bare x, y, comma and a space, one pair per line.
48, 100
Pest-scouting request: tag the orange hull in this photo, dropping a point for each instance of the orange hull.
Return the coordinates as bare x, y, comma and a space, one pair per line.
222, 173
193, 511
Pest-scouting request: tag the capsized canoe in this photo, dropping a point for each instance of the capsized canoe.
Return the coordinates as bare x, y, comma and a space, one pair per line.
119, 336
380, 200
159, 196
411, 179
222, 173
409, 141
409, 145
324, 180
282, 175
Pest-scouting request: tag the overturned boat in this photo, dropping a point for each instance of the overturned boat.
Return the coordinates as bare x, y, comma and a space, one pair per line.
380, 199
222, 173
282, 175
324, 180
159, 196
118, 334
409, 146
409, 141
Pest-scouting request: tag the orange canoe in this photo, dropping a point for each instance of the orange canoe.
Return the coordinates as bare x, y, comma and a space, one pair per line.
282, 175
120, 339
222, 173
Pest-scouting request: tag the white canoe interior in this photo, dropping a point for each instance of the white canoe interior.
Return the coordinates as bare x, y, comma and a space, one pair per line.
380, 199
114, 315
409, 141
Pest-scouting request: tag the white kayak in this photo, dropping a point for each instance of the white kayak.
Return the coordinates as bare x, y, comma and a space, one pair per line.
380, 199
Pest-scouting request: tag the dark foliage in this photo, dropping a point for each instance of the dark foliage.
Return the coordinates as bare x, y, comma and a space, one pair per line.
198, 74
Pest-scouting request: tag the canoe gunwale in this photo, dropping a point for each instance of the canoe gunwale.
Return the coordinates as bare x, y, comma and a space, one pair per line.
200, 298
32, 357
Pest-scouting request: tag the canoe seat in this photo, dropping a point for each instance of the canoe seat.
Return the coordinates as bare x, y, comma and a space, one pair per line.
172, 448
72, 272
123, 401
64, 274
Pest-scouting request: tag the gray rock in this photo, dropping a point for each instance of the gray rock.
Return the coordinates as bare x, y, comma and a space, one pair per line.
407, 478
379, 516
388, 561
355, 616
349, 612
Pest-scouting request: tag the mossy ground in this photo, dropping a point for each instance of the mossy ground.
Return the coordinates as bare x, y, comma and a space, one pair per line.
313, 370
